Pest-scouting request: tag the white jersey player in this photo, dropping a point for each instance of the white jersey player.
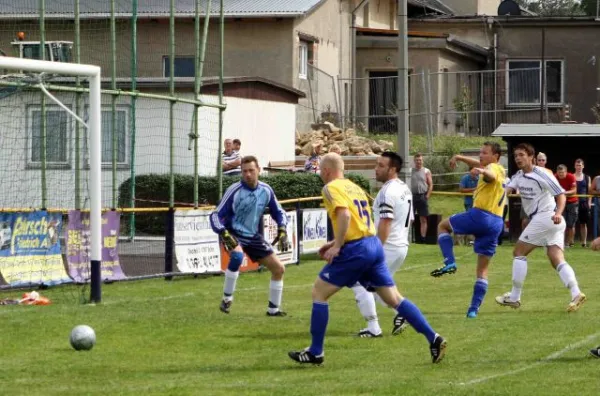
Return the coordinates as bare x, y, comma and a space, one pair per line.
393, 215
543, 201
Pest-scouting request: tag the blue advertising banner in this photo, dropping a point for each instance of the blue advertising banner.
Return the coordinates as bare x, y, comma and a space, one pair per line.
30, 249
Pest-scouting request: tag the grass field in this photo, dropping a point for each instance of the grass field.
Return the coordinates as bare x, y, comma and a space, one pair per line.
169, 338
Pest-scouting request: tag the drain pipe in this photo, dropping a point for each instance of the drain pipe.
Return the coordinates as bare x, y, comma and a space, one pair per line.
359, 7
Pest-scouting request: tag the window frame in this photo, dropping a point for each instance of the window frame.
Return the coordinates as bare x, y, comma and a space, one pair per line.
29, 147
165, 62
539, 61
303, 59
127, 110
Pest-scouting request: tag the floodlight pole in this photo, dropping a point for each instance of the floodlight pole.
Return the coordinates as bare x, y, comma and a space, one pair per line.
402, 91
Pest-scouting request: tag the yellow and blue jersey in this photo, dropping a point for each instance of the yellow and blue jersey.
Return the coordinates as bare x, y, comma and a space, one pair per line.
342, 193
491, 196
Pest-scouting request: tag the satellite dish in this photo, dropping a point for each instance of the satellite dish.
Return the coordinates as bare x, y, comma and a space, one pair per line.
509, 7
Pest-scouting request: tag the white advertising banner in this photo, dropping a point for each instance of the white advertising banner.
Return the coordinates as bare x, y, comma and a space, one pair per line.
314, 230
270, 233
196, 245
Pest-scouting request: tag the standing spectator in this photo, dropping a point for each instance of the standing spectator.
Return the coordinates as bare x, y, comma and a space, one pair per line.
584, 184
237, 145
542, 162
569, 184
467, 185
231, 160
313, 162
421, 185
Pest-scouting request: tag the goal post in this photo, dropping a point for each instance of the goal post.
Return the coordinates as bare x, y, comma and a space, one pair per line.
92, 74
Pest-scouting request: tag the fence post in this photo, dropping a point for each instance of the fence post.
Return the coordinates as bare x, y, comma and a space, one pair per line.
430, 115
169, 243
299, 230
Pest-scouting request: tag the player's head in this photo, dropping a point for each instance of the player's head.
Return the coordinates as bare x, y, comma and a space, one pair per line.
228, 145
541, 159
490, 153
418, 158
389, 164
237, 144
579, 165
332, 167
250, 170
561, 171
523, 154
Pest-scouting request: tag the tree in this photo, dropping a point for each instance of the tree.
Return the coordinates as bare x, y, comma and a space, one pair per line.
558, 7
589, 6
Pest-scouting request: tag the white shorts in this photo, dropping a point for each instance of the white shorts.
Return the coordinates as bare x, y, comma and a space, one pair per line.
394, 256
541, 231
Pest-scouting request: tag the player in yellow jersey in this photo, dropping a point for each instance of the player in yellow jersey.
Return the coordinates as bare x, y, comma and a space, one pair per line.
355, 255
484, 220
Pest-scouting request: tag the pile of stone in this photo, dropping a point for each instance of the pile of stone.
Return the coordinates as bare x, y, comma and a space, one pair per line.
327, 135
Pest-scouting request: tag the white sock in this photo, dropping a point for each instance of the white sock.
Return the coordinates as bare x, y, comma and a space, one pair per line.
229, 287
567, 276
275, 292
519, 273
366, 305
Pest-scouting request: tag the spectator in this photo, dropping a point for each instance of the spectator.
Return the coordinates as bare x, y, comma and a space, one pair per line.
313, 162
569, 184
584, 184
421, 184
231, 160
467, 185
237, 145
335, 149
542, 162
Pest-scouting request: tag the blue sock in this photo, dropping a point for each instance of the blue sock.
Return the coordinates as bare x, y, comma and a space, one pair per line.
415, 318
318, 326
447, 246
479, 291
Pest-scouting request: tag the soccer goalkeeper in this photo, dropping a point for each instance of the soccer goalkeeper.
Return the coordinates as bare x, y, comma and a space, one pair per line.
237, 220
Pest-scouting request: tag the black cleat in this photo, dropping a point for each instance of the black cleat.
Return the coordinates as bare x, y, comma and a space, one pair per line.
366, 333
446, 269
399, 325
595, 352
306, 357
225, 306
278, 313
437, 349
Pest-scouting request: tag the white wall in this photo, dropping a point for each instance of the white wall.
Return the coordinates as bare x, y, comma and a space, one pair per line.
266, 129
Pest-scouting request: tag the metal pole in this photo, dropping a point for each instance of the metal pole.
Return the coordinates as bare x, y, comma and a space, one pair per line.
403, 134
43, 131
77, 109
495, 81
221, 102
172, 104
95, 190
543, 75
132, 120
430, 117
113, 101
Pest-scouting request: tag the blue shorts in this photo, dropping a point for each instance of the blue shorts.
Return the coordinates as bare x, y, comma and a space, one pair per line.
486, 227
360, 261
255, 247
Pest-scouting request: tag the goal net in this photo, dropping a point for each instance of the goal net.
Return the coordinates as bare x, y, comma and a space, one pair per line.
51, 148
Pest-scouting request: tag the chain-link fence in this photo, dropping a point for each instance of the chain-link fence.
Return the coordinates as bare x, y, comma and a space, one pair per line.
321, 103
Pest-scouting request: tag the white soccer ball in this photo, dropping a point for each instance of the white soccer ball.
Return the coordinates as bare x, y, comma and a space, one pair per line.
83, 338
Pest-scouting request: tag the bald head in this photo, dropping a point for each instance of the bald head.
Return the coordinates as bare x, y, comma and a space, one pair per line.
332, 161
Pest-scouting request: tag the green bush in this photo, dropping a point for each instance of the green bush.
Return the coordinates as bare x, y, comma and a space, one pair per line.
152, 190
439, 165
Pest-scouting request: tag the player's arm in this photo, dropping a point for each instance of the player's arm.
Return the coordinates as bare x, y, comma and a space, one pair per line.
554, 187
429, 181
589, 183
593, 187
218, 218
343, 221
573, 189
278, 214
386, 215
489, 173
467, 160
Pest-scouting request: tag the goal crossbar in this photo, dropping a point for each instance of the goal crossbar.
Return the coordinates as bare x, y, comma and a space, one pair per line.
94, 126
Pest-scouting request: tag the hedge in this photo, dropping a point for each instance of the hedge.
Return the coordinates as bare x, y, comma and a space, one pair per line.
152, 190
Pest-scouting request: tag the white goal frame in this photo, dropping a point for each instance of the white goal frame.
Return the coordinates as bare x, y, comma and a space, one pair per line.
93, 73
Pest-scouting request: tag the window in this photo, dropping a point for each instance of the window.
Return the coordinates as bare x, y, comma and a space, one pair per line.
524, 80
184, 66
107, 136
305, 58
58, 126
56, 51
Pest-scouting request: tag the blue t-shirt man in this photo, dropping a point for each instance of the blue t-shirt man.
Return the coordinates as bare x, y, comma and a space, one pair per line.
467, 184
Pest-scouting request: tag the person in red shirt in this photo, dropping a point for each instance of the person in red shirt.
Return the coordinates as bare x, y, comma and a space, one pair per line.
571, 213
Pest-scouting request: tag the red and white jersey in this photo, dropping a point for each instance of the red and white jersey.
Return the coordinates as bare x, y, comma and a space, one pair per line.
394, 201
537, 189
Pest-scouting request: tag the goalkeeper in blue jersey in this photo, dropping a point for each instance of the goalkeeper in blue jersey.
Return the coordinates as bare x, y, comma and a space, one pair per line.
237, 221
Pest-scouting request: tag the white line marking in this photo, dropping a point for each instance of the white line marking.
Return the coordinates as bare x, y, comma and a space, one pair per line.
545, 360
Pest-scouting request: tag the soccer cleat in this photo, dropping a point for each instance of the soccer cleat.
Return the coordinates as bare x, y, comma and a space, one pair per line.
438, 348
366, 333
472, 314
276, 313
504, 300
225, 306
446, 269
400, 325
306, 356
576, 303
595, 352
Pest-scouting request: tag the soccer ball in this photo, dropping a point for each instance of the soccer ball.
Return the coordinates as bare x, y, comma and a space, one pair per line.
83, 338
